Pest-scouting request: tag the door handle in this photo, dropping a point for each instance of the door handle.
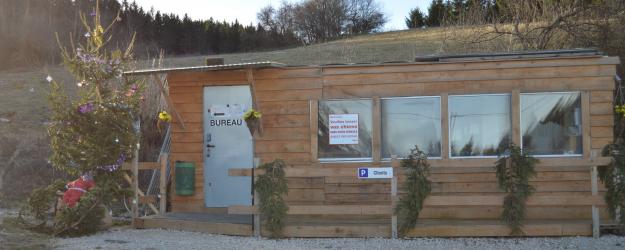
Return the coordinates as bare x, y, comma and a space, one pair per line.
208, 145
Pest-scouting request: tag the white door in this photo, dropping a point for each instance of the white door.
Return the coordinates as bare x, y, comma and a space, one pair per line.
227, 144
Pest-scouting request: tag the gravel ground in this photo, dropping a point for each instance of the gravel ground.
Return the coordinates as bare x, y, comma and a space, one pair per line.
169, 239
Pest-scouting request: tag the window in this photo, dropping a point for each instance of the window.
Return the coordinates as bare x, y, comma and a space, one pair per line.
479, 125
407, 122
551, 123
358, 146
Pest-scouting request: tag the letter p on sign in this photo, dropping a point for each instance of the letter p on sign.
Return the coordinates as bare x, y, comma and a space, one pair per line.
363, 173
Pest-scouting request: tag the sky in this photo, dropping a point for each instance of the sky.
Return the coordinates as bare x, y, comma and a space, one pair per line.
245, 10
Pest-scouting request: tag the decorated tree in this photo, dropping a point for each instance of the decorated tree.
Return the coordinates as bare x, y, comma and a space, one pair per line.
93, 133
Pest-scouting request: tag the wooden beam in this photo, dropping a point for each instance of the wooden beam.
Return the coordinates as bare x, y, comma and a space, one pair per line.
135, 176
256, 202
314, 127
445, 126
255, 104
140, 193
394, 201
321, 210
376, 138
195, 226
450, 166
163, 184
497, 200
596, 222
586, 147
515, 106
142, 166
168, 100
148, 199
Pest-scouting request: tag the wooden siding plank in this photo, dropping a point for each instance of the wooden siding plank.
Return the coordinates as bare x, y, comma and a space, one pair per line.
288, 73
601, 96
601, 108
182, 137
285, 121
602, 120
481, 74
285, 107
207, 76
300, 133
289, 84
599, 143
467, 87
282, 146
601, 131
472, 65
288, 95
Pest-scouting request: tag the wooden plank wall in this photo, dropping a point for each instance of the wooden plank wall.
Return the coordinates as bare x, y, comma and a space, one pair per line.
284, 97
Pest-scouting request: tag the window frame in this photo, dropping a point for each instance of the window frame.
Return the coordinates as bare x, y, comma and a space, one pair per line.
351, 159
509, 94
581, 120
440, 109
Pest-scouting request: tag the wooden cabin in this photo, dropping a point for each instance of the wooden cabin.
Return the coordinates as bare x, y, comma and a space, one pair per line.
460, 110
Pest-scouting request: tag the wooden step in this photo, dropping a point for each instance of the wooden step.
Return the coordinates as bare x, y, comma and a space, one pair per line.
240, 225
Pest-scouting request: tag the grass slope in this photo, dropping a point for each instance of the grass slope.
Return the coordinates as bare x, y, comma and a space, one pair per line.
23, 92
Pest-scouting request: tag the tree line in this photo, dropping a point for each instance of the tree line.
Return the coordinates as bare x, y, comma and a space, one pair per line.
28, 28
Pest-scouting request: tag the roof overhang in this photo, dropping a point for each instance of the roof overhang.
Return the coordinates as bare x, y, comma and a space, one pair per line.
235, 66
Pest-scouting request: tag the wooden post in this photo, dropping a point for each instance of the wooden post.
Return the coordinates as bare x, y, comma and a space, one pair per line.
314, 127
444, 126
516, 116
256, 202
377, 130
595, 211
135, 174
394, 164
163, 183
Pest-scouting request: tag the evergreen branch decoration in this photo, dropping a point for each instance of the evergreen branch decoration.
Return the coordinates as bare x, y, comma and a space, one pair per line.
613, 177
513, 173
271, 187
417, 187
91, 132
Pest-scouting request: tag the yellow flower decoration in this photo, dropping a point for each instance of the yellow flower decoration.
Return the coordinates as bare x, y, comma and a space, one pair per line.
620, 109
97, 36
252, 114
164, 116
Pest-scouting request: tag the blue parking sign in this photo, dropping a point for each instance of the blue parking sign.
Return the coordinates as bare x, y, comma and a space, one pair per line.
363, 172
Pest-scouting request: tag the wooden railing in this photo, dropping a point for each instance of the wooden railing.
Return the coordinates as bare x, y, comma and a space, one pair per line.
139, 196
550, 200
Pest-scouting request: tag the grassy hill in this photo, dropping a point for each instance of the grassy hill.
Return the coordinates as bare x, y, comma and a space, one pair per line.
23, 92
380, 47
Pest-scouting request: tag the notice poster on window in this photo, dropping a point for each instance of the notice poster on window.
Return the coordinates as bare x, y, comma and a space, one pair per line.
343, 129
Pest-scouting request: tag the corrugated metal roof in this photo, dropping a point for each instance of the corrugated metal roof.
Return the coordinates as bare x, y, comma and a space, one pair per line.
234, 66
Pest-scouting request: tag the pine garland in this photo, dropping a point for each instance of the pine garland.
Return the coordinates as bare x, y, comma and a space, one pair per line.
513, 174
613, 177
271, 187
417, 187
